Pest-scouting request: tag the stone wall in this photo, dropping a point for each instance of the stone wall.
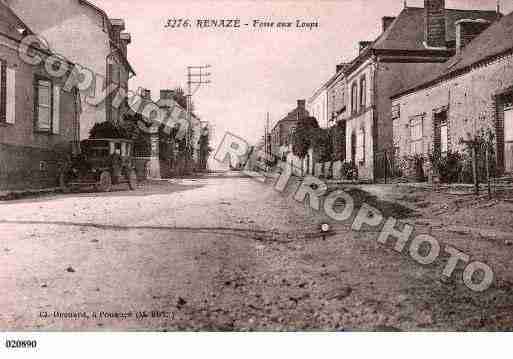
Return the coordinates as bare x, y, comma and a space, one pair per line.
29, 167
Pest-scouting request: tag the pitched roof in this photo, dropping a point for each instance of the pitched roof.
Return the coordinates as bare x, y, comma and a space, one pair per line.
407, 31
13, 19
108, 24
492, 42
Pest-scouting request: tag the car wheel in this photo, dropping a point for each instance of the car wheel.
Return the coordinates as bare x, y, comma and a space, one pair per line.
132, 180
105, 182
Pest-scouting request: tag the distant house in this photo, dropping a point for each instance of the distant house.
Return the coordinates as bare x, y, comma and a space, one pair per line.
411, 45
470, 92
84, 34
172, 160
280, 134
39, 121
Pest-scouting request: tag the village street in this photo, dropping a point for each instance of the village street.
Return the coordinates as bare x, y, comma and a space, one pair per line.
224, 252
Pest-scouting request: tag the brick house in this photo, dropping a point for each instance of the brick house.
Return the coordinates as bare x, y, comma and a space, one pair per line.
410, 46
280, 134
470, 92
39, 121
281, 146
84, 34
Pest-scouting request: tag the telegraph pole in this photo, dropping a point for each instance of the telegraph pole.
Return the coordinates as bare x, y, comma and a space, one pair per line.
267, 142
196, 76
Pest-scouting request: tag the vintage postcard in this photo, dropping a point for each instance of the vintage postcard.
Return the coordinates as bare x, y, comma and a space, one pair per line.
268, 166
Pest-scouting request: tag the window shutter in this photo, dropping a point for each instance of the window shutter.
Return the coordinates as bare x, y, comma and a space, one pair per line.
10, 112
56, 120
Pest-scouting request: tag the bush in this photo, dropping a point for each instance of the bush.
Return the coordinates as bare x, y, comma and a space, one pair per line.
449, 167
349, 171
413, 166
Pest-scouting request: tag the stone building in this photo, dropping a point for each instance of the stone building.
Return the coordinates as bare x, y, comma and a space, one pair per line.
39, 120
470, 92
410, 46
84, 34
280, 134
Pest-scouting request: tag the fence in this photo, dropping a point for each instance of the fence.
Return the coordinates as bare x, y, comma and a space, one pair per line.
386, 165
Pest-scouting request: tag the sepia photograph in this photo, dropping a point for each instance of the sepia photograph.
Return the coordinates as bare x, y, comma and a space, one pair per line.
338, 166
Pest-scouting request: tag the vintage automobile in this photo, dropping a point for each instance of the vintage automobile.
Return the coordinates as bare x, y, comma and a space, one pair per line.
101, 163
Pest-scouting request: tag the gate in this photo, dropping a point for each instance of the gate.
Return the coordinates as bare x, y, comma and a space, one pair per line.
386, 165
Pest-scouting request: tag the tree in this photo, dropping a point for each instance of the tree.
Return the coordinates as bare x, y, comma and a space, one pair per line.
302, 136
108, 129
322, 144
338, 141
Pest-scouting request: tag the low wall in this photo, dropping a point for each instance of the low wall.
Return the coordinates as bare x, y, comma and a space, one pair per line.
29, 168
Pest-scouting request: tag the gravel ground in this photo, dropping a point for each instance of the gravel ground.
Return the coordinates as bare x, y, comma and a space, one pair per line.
229, 253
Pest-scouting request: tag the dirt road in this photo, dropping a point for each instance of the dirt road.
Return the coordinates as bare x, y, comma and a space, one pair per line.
223, 253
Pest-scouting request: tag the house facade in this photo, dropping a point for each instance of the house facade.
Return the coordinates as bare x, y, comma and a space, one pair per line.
473, 91
317, 106
336, 96
39, 120
411, 45
84, 34
280, 134
281, 146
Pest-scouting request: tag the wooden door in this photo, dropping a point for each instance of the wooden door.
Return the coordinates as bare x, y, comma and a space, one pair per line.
508, 140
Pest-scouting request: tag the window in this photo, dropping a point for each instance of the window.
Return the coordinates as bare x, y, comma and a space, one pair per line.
441, 135
416, 135
354, 98
7, 93
443, 138
396, 111
3, 88
43, 98
360, 146
363, 93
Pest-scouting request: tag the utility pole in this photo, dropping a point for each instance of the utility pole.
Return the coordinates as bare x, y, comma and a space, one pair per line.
196, 76
268, 141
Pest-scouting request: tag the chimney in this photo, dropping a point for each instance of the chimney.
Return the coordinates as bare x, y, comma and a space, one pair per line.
467, 30
363, 45
146, 94
434, 18
341, 67
166, 94
301, 103
387, 21
125, 40
118, 26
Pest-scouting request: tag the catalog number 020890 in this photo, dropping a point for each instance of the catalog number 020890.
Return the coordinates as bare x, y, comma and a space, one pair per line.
21, 344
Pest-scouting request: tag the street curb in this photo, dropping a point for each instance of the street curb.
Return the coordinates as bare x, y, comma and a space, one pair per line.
482, 232
20, 194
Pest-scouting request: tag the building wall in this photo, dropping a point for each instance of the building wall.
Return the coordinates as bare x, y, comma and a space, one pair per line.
29, 158
361, 118
470, 99
76, 32
337, 99
318, 107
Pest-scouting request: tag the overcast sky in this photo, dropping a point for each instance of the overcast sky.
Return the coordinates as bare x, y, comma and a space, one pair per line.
253, 71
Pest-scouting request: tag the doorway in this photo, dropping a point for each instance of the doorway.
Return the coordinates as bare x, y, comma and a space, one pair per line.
508, 139
353, 148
